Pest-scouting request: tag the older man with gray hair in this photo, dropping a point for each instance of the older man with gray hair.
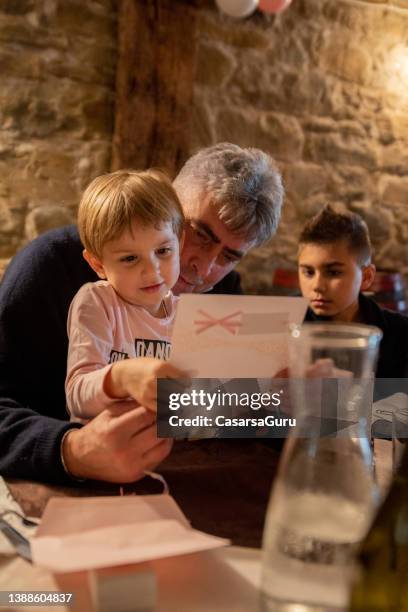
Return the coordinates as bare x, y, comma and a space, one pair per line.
232, 199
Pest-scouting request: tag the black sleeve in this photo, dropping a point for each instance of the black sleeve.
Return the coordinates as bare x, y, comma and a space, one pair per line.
30, 444
35, 294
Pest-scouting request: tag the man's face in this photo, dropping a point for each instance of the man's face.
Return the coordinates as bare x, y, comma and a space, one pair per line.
210, 249
331, 279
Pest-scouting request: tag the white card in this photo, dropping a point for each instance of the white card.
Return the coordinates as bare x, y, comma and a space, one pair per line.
234, 336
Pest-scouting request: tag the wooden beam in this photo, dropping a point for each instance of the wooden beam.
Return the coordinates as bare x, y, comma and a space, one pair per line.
154, 84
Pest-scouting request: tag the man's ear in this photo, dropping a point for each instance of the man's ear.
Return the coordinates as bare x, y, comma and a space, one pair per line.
95, 264
368, 276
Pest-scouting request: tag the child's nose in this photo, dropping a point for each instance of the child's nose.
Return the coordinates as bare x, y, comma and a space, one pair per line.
319, 284
152, 265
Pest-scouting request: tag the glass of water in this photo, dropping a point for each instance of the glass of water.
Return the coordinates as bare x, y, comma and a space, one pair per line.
324, 495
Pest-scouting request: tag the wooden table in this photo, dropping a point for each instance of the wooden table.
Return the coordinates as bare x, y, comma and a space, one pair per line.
222, 486
225, 579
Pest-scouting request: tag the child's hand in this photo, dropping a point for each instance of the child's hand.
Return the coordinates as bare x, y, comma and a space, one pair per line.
137, 378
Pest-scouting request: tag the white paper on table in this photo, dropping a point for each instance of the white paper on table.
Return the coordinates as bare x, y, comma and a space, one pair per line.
234, 336
92, 532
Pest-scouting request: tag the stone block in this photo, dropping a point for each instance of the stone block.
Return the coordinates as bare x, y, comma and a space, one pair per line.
11, 221
383, 130
347, 60
352, 184
394, 190
43, 218
391, 256
303, 180
71, 17
240, 34
400, 125
303, 93
251, 83
312, 205
319, 124
334, 148
84, 66
214, 65
16, 7
92, 160
9, 244
201, 125
380, 222
280, 135
50, 161
283, 134
399, 3
394, 159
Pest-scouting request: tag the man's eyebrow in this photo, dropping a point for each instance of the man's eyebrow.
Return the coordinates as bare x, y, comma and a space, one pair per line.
235, 253
207, 229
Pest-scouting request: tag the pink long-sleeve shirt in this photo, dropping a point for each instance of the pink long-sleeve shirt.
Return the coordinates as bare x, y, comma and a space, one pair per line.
102, 329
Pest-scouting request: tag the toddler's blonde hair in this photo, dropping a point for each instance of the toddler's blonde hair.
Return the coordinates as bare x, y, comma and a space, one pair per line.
112, 202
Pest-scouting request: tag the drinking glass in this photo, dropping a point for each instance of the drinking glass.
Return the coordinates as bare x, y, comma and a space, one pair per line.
324, 495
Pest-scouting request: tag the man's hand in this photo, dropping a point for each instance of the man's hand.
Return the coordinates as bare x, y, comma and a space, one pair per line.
116, 446
137, 378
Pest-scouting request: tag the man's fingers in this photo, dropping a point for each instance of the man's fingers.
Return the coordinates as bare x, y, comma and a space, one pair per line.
145, 440
157, 454
135, 420
119, 408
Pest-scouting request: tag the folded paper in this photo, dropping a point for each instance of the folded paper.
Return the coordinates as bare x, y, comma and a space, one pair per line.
85, 533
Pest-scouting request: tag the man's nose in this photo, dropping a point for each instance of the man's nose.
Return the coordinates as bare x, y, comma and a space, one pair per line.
203, 264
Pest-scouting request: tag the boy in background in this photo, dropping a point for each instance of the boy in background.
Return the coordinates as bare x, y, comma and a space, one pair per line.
335, 267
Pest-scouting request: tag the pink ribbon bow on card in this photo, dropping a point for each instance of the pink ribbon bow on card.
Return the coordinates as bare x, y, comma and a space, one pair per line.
226, 322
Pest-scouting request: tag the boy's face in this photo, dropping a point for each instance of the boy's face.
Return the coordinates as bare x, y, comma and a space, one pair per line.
331, 279
141, 265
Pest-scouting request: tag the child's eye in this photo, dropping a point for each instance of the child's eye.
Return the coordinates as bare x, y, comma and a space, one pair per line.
164, 251
128, 258
307, 273
335, 273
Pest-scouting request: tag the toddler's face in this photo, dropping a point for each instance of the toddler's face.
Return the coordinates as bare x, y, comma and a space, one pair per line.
331, 279
142, 265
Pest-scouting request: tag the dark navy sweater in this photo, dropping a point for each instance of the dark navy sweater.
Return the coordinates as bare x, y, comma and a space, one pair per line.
393, 353
35, 295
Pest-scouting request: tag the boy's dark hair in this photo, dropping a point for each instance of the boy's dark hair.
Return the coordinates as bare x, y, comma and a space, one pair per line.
329, 226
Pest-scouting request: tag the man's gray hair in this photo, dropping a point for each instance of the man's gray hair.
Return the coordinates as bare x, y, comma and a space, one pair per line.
245, 183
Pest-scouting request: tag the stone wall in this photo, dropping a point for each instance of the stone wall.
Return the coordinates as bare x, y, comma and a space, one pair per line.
57, 66
323, 87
